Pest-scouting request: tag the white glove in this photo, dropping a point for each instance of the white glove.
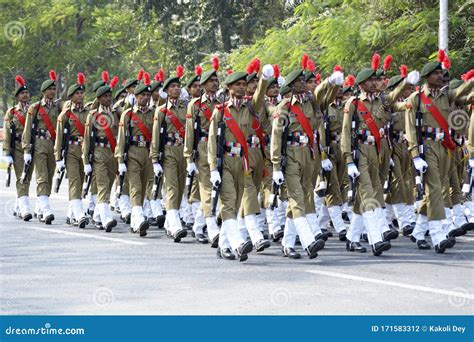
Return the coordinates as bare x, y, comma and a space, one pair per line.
278, 177
157, 169
326, 165
163, 95
191, 168
471, 163
27, 158
267, 71
215, 178
131, 99
336, 78
87, 169
392, 163
420, 164
413, 77
60, 165
8, 160
352, 171
122, 168
281, 81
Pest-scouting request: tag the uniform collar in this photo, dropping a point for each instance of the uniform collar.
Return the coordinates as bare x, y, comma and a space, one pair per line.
211, 98
78, 107
371, 97
174, 103
22, 106
272, 100
298, 98
433, 92
46, 103
235, 102
141, 109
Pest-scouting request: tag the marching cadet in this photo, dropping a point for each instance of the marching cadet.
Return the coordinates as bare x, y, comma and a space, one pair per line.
38, 143
198, 120
230, 127
431, 146
135, 128
13, 125
361, 143
68, 146
293, 125
171, 118
98, 151
400, 195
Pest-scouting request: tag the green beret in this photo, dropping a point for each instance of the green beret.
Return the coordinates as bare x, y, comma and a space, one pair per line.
207, 75
394, 81
155, 86
455, 83
170, 80
118, 92
292, 76
130, 83
97, 85
75, 87
309, 75
19, 89
142, 88
47, 84
428, 68
364, 75
195, 78
103, 90
252, 76
284, 89
271, 81
235, 76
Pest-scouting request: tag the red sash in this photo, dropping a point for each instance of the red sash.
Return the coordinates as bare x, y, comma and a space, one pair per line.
103, 122
77, 122
175, 121
45, 117
238, 134
370, 122
19, 116
447, 141
205, 109
303, 121
141, 126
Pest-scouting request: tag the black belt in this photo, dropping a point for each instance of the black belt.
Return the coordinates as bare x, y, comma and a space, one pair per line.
140, 143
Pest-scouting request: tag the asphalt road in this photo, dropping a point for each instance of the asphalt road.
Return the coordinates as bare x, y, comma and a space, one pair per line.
59, 269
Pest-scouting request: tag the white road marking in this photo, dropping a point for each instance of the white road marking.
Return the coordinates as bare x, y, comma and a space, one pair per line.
396, 284
57, 231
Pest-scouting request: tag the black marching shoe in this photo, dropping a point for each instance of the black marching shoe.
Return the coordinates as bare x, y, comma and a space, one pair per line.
395, 223
422, 244
466, 226
407, 230
243, 250
364, 237
314, 247
327, 232
160, 219
152, 221
180, 234
321, 236
128, 218
201, 238
68, 221
290, 253
380, 247
111, 224
345, 217
391, 234
261, 245
441, 247
355, 247
451, 242
143, 227
49, 219
215, 241
277, 235
27, 217
83, 222
225, 253
342, 235
457, 232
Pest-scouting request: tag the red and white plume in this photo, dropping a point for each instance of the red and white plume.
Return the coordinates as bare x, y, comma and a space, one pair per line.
140, 75
387, 62
105, 76
441, 55
198, 70
375, 61
52, 75
318, 78
81, 78
304, 61
256, 65
468, 75
311, 65
350, 81
161, 75
146, 79
276, 71
114, 82
20, 80
179, 71
215, 63
250, 67
403, 70
446, 63
337, 68
230, 71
